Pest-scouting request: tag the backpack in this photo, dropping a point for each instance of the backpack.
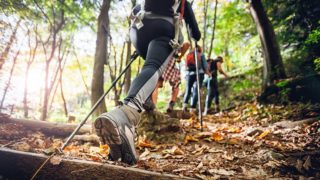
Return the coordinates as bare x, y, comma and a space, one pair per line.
177, 21
191, 62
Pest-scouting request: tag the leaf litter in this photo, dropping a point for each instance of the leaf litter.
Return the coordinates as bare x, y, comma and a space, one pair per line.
247, 142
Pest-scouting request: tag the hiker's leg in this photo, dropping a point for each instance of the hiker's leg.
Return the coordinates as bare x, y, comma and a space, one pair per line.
190, 81
117, 127
216, 95
210, 94
158, 56
174, 94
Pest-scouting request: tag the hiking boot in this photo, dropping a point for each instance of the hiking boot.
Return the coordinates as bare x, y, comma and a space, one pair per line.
170, 107
117, 129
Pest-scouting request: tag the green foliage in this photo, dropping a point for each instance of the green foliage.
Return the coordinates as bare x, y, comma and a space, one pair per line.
283, 83
317, 64
314, 37
297, 25
235, 37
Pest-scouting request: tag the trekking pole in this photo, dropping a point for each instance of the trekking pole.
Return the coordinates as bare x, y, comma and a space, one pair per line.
198, 85
132, 58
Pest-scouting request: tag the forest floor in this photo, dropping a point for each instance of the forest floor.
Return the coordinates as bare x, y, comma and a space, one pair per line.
251, 141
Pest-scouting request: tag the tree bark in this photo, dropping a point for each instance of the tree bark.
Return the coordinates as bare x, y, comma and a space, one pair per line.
6, 51
213, 28
9, 80
273, 68
205, 11
32, 54
48, 128
100, 58
22, 165
127, 76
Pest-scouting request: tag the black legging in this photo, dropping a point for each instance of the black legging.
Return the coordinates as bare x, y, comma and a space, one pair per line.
152, 43
212, 88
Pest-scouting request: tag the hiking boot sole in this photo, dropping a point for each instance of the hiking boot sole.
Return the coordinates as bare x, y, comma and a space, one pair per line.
109, 133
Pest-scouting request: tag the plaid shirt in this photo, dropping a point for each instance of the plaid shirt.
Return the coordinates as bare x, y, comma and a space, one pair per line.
172, 74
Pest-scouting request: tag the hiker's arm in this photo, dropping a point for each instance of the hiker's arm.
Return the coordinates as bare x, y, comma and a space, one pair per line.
220, 69
205, 65
191, 21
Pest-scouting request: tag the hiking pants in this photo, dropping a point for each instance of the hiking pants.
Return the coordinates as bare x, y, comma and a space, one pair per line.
191, 88
152, 43
212, 92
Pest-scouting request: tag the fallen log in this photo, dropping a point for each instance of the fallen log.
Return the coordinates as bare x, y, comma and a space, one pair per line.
48, 128
292, 124
22, 165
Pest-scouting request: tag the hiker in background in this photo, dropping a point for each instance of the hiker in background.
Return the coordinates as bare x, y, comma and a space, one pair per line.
152, 34
212, 84
191, 77
173, 76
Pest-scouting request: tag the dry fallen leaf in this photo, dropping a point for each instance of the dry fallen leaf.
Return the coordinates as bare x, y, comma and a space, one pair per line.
217, 136
198, 125
104, 149
55, 160
190, 138
203, 135
71, 148
144, 143
145, 153
200, 149
176, 151
264, 134
228, 157
234, 141
234, 130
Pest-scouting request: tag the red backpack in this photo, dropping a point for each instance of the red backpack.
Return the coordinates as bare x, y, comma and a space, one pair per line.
190, 60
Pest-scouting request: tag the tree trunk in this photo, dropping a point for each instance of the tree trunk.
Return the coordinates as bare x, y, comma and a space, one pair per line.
54, 30
9, 80
46, 93
100, 58
213, 28
48, 128
273, 68
6, 51
127, 76
205, 13
29, 63
121, 82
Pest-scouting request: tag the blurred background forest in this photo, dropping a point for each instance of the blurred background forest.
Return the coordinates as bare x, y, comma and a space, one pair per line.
57, 57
